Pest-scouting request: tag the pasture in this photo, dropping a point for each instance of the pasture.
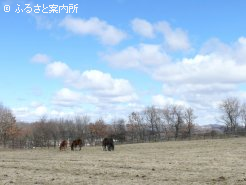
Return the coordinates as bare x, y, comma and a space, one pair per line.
221, 161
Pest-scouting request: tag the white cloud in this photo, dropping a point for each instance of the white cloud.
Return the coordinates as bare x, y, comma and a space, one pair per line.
42, 22
216, 72
143, 56
192, 89
31, 114
21, 112
40, 111
41, 58
176, 39
206, 78
108, 34
58, 69
203, 69
66, 97
143, 27
161, 101
98, 83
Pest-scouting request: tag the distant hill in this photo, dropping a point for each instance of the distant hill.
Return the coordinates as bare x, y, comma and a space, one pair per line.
210, 127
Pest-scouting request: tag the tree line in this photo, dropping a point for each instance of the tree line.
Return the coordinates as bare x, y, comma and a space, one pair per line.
233, 115
151, 124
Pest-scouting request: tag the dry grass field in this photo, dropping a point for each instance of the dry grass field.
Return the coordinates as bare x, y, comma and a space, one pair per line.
221, 161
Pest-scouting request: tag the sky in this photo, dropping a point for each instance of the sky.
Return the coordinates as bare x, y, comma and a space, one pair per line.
108, 58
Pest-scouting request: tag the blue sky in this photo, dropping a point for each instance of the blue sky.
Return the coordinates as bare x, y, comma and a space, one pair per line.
117, 56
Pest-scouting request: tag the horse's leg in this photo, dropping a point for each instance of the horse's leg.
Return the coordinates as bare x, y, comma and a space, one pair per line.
109, 148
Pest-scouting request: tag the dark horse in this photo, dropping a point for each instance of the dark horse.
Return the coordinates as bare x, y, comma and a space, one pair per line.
63, 145
75, 143
108, 144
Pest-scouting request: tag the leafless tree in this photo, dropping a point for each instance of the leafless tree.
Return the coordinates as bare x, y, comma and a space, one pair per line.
119, 130
166, 118
97, 131
152, 119
136, 120
39, 133
175, 117
52, 131
8, 127
230, 113
189, 119
25, 135
243, 114
81, 125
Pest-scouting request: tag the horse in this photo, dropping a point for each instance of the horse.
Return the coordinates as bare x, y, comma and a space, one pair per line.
108, 144
75, 143
63, 145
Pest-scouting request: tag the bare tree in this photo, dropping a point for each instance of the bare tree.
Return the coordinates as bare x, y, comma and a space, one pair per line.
7, 125
97, 131
119, 130
167, 122
152, 119
243, 115
175, 118
39, 133
81, 124
230, 110
25, 135
189, 118
136, 120
52, 131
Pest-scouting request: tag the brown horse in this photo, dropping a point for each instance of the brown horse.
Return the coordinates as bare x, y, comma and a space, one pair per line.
63, 145
108, 144
75, 143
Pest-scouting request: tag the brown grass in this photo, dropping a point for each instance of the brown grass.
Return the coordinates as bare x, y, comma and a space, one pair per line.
182, 162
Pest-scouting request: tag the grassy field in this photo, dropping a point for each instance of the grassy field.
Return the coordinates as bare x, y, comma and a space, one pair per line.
221, 161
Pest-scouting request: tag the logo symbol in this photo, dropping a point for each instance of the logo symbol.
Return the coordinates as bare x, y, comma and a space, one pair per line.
7, 8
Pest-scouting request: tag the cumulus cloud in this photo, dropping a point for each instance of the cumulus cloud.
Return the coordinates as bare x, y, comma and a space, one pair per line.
41, 58
142, 56
205, 69
31, 114
40, 110
21, 112
67, 97
107, 33
100, 84
174, 38
59, 69
143, 27
215, 72
216, 64
186, 88
161, 101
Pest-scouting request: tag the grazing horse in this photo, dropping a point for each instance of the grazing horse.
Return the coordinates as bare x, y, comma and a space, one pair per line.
63, 145
75, 143
108, 144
